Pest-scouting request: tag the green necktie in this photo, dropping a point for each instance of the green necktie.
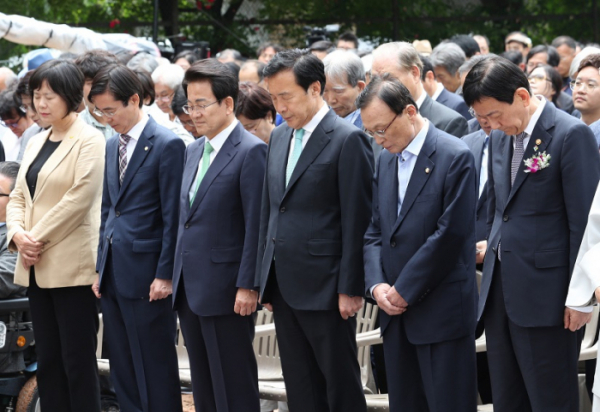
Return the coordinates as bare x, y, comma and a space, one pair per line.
208, 149
295, 155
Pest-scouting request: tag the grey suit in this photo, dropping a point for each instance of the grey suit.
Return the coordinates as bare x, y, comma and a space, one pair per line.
476, 142
444, 118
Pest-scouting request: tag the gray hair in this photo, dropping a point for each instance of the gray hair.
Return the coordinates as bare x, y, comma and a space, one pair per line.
345, 67
587, 51
406, 55
171, 75
10, 170
469, 64
143, 61
449, 56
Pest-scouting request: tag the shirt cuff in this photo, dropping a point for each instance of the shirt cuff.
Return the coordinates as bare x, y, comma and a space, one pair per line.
583, 309
372, 289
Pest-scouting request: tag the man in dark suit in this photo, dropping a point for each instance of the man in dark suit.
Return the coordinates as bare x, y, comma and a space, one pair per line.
316, 207
215, 258
138, 231
402, 61
439, 93
419, 260
543, 170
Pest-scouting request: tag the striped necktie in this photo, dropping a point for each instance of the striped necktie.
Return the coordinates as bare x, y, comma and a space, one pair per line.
123, 140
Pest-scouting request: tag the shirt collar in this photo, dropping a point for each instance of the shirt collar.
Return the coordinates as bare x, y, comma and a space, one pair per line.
136, 131
421, 99
414, 147
536, 116
352, 116
314, 122
218, 141
438, 91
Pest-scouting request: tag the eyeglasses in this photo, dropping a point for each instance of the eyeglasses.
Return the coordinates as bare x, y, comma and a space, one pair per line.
24, 108
494, 116
166, 98
11, 124
534, 78
100, 113
201, 108
381, 133
4, 194
577, 84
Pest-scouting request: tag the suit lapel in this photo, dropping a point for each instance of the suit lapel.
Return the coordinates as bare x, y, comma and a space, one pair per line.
280, 149
142, 148
540, 133
32, 153
59, 154
478, 153
225, 155
316, 143
390, 181
112, 168
419, 176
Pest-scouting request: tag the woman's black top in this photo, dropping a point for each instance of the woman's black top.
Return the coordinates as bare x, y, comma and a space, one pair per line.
32, 174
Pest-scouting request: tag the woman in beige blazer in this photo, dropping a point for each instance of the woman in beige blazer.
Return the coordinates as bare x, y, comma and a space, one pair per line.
53, 222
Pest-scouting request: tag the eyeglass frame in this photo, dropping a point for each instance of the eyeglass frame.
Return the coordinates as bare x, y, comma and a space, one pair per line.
573, 86
100, 113
538, 77
187, 109
166, 98
381, 133
11, 125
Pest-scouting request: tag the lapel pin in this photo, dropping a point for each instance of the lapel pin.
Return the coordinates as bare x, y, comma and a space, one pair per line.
538, 142
70, 137
427, 170
146, 148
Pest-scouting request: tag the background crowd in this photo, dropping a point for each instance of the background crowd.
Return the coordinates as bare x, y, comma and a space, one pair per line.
207, 185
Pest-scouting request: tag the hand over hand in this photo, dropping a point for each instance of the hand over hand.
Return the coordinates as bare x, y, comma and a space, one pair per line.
29, 248
575, 320
349, 306
160, 289
382, 295
96, 287
245, 301
481, 246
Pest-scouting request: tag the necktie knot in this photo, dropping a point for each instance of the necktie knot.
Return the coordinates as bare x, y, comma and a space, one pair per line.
208, 147
299, 135
124, 139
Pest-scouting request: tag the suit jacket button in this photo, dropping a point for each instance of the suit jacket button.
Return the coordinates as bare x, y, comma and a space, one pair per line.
117, 214
505, 218
282, 209
494, 249
187, 225
273, 240
393, 244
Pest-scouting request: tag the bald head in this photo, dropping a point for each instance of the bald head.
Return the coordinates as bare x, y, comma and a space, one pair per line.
7, 77
401, 60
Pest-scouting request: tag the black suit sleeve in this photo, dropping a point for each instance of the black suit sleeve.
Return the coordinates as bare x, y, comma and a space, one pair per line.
264, 218
355, 172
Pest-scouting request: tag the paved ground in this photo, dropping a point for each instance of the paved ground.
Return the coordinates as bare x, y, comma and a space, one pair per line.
188, 403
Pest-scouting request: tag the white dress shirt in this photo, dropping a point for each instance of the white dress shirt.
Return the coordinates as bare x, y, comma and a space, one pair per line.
217, 143
532, 122
135, 132
438, 91
421, 99
483, 172
309, 128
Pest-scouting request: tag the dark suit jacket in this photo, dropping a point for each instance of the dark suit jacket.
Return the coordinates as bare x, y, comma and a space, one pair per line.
454, 102
314, 227
443, 118
218, 236
473, 125
141, 215
541, 219
475, 141
427, 252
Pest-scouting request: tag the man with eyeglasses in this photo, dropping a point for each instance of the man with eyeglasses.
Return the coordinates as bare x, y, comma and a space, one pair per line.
215, 258
419, 253
543, 171
16, 120
586, 93
138, 232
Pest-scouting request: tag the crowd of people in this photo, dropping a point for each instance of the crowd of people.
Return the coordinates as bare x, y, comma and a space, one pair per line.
307, 181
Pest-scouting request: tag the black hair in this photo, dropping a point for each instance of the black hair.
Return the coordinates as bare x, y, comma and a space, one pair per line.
553, 57
147, 84
234, 68
258, 65
349, 36
389, 90
64, 78
179, 100
494, 77
188, 55
277, 48
222, 80
427, 66
307, 67
10, 170
513, 55
120, 81
92, 61
254, 102
8, 107
467, 43
22, 88
562, 40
